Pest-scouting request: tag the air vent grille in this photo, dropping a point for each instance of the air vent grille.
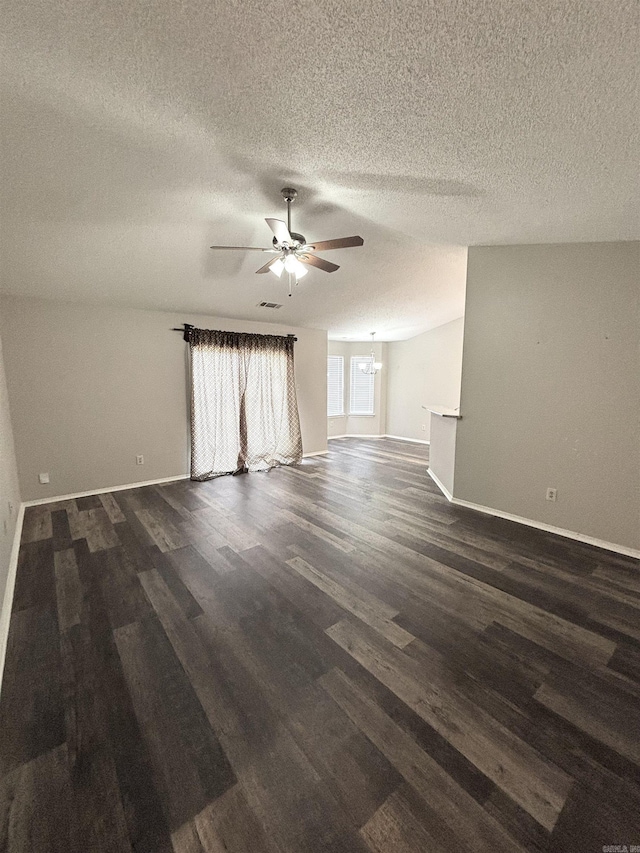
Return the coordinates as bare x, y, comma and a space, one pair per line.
269, 305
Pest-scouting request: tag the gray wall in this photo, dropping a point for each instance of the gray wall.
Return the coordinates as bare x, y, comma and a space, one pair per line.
9, 490
423, 370
360, 424
551, 386
92, 387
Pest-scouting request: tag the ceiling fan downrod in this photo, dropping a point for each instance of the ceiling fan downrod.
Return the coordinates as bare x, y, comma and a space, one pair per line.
289, 195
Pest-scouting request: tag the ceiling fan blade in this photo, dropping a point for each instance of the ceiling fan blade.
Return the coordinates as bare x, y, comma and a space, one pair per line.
244, 248
268, 265
340, 243
280, 230
314, 261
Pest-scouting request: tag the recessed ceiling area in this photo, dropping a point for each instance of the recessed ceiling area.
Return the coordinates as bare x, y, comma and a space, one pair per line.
135, 136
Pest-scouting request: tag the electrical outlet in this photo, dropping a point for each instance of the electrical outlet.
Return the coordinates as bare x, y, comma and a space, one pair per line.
12, 506
140, 460
552, 495
43, 478
423, 427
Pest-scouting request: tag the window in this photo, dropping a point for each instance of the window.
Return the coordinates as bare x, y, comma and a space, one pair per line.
335, 385
361, 402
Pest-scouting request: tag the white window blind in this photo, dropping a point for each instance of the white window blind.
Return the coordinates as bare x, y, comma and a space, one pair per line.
361, 397
335, 385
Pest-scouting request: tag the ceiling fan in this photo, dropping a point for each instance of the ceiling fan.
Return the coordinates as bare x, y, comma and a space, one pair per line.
292, 249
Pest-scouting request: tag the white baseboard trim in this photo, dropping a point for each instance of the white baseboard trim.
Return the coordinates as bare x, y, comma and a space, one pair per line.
381, 435
315, 453
538, 525
7, 599
404, 438
548, 528
441, 486
53, 498
357, 435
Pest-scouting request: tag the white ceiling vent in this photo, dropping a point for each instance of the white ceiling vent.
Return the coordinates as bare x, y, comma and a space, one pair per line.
269, 305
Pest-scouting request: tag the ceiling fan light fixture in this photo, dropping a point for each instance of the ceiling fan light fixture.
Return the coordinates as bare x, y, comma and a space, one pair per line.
276, 267
300, 270
292, 265
290, 262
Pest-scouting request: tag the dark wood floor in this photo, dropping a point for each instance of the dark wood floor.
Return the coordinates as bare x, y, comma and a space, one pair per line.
323, 658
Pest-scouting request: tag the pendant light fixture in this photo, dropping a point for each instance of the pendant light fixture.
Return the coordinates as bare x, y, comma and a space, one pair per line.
371, 367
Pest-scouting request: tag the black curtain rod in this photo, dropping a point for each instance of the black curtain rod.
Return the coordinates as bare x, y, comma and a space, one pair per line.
187, 328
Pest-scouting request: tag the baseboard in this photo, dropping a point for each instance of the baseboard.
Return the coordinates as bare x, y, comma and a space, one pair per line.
380, 435
357, 435
441, 486
404, 438
7, 599
538, 525
548, 528
315, 453
53, 498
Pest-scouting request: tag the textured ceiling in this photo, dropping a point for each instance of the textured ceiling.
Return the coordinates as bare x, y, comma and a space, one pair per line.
137, 134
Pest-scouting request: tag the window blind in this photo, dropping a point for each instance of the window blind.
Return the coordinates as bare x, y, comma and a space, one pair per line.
335, 385
361, 397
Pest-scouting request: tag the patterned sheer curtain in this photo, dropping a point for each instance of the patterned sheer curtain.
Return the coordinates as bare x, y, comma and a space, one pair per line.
244, 412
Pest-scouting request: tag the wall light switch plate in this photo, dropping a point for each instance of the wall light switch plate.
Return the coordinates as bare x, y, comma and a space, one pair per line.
44, 478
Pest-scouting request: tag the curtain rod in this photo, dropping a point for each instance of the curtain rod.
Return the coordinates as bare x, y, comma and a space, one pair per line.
187, 328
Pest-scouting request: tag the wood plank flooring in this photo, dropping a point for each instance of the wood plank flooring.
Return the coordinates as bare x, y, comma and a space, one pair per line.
322, 659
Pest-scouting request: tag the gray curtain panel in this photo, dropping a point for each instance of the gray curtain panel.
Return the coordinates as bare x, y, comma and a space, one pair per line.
244, 411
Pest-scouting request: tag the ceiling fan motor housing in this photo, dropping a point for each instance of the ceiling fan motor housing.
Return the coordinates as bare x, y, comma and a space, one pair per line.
298, 240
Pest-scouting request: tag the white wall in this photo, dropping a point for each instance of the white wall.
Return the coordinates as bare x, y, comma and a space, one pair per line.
551, 386
9, 490
92, 387
425, 370
360, 424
